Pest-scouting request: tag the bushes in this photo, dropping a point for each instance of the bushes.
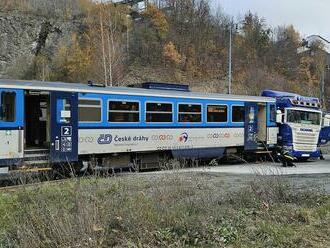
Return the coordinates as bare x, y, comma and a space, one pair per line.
163, 211
49, 8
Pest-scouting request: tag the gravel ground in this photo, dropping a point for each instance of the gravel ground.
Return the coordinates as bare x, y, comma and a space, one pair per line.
326, 149
303, 176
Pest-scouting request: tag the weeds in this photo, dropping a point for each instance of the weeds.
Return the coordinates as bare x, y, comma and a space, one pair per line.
172, 210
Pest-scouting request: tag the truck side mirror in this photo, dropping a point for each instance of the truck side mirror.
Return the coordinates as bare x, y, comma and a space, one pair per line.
326, 120
279, 116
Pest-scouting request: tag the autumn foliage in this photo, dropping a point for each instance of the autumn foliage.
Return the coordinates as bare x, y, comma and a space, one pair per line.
173, 40
158, 20
171, 55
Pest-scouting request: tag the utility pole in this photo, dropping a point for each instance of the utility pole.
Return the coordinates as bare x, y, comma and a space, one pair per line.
43, 69
127, 33
324, 75
322, 87
103, 48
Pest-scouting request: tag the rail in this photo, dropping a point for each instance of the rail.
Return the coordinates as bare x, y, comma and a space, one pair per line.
13, 188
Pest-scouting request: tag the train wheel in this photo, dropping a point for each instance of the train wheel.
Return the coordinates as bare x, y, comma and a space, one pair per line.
135, 166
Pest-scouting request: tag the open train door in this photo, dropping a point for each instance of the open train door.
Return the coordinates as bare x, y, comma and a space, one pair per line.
64, 127
251, 126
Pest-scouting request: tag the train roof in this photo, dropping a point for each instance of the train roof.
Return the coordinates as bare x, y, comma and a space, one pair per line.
84, 88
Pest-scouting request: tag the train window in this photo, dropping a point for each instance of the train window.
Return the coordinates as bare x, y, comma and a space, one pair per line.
8, 107
272, 113
89, 110
217, 113
190, 113
63, 106
159, 112
238, 113
123, 111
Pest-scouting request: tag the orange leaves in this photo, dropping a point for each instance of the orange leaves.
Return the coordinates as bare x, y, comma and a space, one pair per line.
307, 71
158, 20
293, 34
304, 68
171, 54
73, 61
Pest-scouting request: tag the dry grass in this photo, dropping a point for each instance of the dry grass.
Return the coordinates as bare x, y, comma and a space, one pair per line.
172, 210
326, 149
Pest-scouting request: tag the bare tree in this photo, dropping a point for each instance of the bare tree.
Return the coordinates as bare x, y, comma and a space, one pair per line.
103, 48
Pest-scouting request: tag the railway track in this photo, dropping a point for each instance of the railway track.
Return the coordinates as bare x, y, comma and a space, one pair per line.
32, 178
13, 188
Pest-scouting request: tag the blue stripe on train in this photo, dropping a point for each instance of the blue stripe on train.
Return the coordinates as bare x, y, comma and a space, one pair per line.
216, 152
138, 127
160, 127
11, 128
105, 98
8, 162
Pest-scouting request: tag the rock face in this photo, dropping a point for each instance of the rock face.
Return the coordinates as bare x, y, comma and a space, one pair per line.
24, 36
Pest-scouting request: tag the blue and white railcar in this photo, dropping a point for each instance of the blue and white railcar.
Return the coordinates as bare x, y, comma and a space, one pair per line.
61, 122
325, 130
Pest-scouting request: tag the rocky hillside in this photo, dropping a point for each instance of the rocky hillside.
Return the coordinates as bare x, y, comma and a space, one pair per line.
183, 41
23, 37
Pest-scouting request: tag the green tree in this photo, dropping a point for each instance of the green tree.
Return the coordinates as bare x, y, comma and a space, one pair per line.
256, 37
72, 62
284, 55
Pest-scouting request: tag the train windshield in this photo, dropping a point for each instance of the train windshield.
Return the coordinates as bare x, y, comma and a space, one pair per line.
303, 117
7, 106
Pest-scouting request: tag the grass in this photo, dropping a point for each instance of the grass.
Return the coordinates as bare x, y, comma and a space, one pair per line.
172, 210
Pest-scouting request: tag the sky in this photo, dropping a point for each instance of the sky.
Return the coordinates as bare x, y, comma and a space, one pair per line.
307, 16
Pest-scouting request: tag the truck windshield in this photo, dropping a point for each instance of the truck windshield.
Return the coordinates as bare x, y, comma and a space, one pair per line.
303, 117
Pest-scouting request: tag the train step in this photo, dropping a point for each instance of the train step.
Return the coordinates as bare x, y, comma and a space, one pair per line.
34, 156
263, 152
36, 151
36, 162
40, 156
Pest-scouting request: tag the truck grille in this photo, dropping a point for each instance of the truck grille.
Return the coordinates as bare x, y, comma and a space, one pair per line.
304, 147
305, 141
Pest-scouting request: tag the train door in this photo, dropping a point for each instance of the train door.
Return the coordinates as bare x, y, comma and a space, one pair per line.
262, 123
64, 127
251, 126
37, 121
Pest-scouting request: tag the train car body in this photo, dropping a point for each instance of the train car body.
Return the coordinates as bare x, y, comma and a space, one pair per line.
325, 130
324, 135
50, 122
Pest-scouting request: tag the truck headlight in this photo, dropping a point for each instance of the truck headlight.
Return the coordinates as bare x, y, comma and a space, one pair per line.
288, 148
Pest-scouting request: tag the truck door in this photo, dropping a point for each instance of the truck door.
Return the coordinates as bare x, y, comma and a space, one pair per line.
64, 127
251, 126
